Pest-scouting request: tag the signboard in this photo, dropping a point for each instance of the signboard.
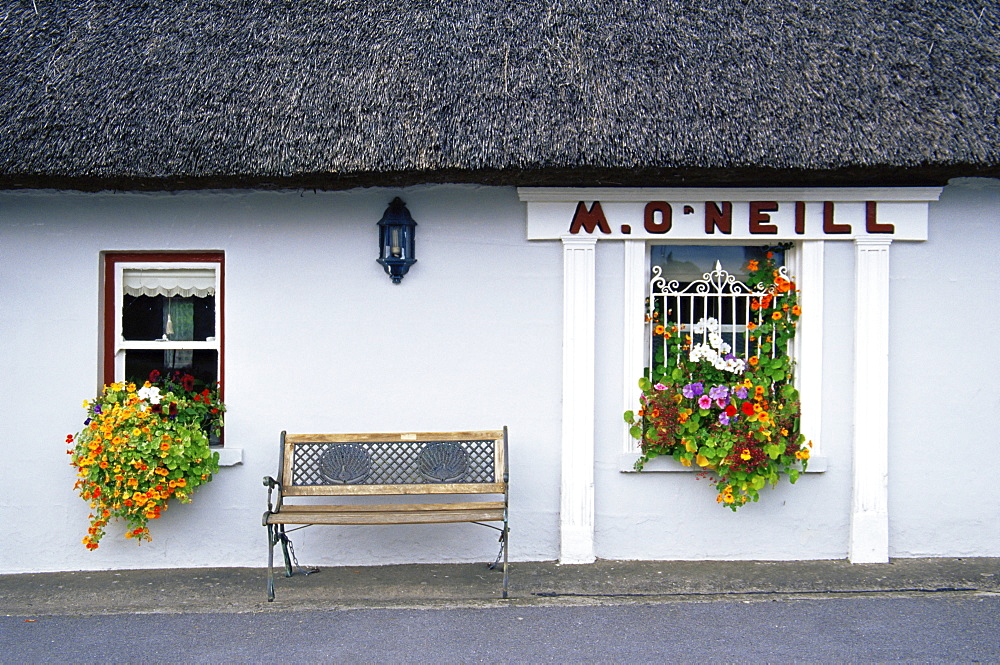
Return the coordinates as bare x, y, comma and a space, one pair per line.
756, 215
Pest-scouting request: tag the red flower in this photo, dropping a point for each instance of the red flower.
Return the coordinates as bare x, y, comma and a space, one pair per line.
187, 382
747, 408
731, 410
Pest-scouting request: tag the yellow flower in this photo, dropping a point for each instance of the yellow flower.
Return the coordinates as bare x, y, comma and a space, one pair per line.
745, 455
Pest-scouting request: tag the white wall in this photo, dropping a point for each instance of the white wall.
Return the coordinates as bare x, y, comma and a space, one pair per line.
310, 322
944, 398
674, 515
317, 339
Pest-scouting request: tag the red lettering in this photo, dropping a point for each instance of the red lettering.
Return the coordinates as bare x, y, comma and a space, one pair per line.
718, 219
589, 220
800, 217
871, 225
828, 225
759, 217
649, 218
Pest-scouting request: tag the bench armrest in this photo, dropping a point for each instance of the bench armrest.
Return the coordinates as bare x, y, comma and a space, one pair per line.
271, 483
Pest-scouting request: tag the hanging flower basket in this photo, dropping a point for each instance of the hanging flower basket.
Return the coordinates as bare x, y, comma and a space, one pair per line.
140, 448
736, 418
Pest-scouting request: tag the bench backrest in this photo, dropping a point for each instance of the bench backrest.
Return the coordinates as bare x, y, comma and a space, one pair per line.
394, 463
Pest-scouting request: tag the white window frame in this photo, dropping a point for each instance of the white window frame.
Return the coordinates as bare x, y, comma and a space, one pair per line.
113, 344
122, 345
805, 263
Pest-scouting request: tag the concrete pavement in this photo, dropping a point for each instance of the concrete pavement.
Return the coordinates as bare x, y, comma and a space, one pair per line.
240, 590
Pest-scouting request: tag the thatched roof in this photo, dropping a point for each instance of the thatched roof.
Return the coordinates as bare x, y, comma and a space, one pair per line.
337, 93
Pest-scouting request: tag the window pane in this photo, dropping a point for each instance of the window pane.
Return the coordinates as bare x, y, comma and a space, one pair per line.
202, 364
682, 295
172, 318
688, 263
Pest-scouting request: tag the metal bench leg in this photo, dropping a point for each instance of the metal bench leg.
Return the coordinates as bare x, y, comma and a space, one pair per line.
506, 549
270, 563
284, 550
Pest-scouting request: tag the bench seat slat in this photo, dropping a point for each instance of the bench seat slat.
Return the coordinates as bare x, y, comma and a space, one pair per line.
366, 490
386, 517
382, 507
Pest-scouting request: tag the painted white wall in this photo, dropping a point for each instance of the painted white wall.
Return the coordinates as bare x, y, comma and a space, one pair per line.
944, 392
317, 339
941, 399
311, 319
674, 515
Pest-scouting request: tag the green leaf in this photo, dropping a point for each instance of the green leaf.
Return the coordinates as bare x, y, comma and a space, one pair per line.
630, 417
636, 432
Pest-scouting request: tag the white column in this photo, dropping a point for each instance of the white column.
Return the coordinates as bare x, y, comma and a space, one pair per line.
577, 502
633, 328
809, 271
869, 504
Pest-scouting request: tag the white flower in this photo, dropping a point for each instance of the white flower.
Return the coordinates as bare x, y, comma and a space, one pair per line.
151, 394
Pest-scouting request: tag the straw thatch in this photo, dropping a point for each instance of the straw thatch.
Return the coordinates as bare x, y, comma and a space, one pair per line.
339, 93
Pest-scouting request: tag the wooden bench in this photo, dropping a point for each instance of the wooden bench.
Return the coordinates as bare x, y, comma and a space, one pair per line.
364, 479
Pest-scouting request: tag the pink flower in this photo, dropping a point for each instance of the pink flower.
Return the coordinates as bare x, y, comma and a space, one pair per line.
704, 402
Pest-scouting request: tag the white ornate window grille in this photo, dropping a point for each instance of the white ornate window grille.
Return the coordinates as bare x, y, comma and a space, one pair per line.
718, 295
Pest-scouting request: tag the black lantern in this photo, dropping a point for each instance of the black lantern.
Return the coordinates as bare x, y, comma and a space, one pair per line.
395, 240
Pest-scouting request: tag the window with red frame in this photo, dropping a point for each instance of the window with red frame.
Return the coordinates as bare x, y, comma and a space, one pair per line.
163, 312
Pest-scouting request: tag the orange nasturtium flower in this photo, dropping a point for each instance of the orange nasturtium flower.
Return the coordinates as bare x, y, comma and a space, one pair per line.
776, 315
752, 265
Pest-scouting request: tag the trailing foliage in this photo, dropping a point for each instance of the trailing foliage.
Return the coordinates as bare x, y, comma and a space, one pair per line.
736, 418
139, 448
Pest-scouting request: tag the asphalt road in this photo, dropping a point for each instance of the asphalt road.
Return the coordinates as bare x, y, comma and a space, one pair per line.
915, 628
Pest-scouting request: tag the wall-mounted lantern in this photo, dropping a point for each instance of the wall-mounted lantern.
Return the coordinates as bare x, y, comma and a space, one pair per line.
395, 240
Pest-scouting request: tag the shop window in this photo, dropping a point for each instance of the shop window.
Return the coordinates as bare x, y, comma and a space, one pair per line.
692, 284
163, 313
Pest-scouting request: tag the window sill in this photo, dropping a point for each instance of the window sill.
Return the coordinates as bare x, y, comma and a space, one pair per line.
662, 464
228, 456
